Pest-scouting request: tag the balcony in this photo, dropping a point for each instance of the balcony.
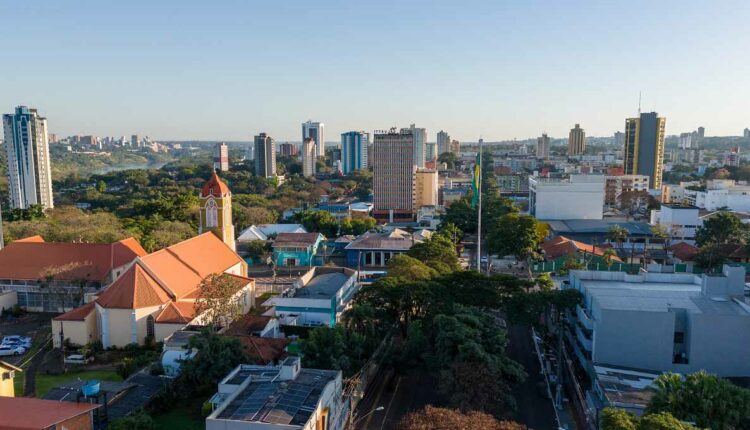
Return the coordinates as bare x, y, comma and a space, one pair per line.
585, 341
584, 318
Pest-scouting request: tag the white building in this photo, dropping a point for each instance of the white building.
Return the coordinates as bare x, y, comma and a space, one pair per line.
354, 155
718, 193
280, 397
315, 131
420, 141
318, 298
27, 150
663, 322
680, 221
542, 146
221, 157
443, 142
308, 157
577, 197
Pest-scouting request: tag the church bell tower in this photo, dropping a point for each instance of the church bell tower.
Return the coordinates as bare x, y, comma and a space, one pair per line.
216, 210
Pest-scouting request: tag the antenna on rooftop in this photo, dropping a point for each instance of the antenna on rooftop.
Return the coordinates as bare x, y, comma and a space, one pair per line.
639, 103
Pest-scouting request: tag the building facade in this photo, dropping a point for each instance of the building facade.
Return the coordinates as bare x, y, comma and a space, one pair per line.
393, 175
679, 221
221, 157
308, 157
575, 198
288, 149
216, 210
265, 156
443, 142
616, 185
354, 151
542, 146
644, 147
28, 162
576, 141
426, 188
315, 131
420, 141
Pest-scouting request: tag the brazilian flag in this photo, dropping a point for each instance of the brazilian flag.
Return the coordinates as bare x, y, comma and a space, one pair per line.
475, 183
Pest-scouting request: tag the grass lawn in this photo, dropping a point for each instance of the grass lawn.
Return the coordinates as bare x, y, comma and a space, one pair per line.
179, 418
44, 382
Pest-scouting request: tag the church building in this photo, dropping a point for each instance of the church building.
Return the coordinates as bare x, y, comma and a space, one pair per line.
216, 210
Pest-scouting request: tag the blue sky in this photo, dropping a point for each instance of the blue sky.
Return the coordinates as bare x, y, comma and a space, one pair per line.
499, 69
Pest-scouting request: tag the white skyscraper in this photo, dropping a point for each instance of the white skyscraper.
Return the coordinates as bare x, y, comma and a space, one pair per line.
420, 138
27, 149
542, 146
315, 131
308, 157
443, 142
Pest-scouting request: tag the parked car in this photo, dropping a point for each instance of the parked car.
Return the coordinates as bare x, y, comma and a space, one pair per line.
17, 342
78, 359
11, 350
16, 338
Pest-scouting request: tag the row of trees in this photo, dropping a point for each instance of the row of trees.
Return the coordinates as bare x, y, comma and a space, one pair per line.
698, 400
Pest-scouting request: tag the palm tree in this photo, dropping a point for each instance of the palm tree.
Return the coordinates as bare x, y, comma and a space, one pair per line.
608, 257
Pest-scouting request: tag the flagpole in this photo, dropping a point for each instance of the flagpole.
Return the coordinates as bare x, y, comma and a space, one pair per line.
479, 212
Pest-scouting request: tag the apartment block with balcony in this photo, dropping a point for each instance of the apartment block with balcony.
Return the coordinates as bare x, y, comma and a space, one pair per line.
659, 322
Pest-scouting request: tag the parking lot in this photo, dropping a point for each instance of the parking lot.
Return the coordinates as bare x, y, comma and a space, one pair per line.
33, 325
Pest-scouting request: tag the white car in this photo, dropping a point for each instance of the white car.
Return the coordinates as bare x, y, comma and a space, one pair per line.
11, 350
15, 342
22, 339
78, 359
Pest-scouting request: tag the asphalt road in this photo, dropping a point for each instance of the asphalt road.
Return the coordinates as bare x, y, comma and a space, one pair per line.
533, 409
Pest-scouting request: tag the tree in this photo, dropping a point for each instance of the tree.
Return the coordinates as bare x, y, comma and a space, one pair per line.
218, 300
101, 186
518, 235
431, 418
449, 158
452, 232
709, 256
319, 221
617, 419
137, 421
617, 234
167, 233
437, 252
662, 421
702, 398
334, 348
608, 255
257, 250
409, 269
216, 357
357, 226
722, 228
259, 215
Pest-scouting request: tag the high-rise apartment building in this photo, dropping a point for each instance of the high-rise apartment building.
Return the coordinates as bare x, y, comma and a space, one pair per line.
686, 140
221, 157
455, 147
354, 151
746, 133
701, 132
393, 175
420, 139
577, 141
443, 142
429, 152
542, 146
27, 149
135, 141
315, 131
265, 156
619, 139
426, 188
308, 157
644, 147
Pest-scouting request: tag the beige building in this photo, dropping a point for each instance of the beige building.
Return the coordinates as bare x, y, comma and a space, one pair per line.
394, 170
542, 146
216, 210
426, 188
615, 186
576, 141
308, 157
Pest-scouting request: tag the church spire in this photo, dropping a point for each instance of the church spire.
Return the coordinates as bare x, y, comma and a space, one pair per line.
216, 210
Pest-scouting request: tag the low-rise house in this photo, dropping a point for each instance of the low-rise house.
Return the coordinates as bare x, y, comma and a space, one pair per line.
156, 295
318, 298
680, 222
296, 249
376, 248
26, 413
558, 250
279, 397
56, 276
7, 375
268, 231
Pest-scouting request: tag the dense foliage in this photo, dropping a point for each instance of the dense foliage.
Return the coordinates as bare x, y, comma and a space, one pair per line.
431, 418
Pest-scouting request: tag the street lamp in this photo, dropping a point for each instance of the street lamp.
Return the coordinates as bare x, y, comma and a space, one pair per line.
354, 422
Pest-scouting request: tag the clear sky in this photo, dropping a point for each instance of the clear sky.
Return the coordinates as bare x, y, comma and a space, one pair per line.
500, 69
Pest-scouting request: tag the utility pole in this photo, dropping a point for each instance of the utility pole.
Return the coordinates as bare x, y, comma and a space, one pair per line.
479, 212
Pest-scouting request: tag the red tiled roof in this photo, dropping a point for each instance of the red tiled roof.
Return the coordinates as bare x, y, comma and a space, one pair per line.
263, 350
684, 251
172, 314
34, 259
78, 314
26, 413
296, 239
182, 267
133, 290
214, 187
247, 324
562, 246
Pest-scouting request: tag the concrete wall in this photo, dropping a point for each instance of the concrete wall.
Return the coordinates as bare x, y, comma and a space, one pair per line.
162, 330
79, 332
719, 344
8, 299
560, 200
642, 340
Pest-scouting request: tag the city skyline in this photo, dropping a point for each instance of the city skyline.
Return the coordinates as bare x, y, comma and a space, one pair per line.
175, 74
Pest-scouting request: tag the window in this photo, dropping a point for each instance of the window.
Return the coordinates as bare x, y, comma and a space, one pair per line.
212, 214
679, 337
150, 326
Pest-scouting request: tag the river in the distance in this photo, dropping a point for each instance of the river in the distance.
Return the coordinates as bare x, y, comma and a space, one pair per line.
129, 166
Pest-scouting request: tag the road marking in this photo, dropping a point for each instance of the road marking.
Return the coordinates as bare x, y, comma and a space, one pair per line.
375, 403
395, 391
